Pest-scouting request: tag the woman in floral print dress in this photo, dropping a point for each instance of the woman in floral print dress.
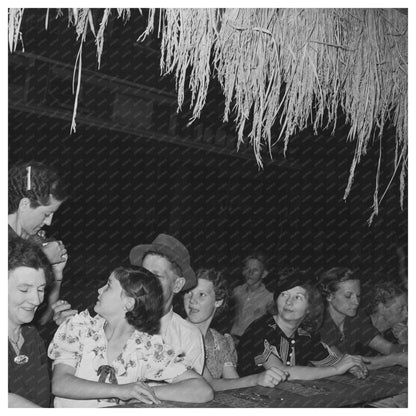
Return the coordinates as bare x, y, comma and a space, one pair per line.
207, 299
102, 360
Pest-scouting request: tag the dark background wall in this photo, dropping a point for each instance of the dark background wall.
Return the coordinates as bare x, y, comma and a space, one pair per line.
129, 184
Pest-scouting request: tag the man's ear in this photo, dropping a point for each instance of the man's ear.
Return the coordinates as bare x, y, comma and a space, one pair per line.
24, 204
265, 273
329, 297
179, 284
218, 303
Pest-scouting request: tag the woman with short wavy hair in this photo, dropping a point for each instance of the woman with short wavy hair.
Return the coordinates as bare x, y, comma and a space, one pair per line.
209, 300
112, 356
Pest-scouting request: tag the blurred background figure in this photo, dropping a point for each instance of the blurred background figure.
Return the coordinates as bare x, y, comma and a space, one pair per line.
251, 298
388, 311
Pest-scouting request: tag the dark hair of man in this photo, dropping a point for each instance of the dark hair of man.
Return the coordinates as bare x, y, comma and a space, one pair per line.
144, 287
330, 279
385, 293
24, 253
44, 182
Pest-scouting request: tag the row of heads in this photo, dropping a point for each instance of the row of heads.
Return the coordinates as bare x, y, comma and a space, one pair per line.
23, 253
38, 183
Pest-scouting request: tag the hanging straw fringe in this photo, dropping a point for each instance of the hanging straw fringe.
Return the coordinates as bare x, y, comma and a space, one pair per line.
15, 21
297, 65
294, 66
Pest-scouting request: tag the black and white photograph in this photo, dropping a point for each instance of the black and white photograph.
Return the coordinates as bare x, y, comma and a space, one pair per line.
208, 207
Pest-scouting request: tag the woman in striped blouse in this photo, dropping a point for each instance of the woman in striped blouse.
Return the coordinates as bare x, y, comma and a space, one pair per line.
286, 339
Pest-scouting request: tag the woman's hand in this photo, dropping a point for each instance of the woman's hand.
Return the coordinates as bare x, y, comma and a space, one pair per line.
271, 377
55, 251
348, 362
359, 372
137, 391
58, 269
62, 311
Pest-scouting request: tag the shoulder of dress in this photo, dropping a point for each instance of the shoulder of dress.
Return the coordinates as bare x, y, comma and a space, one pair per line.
144, 339
359, 316
30, 330
303, 333
84, 319
216, 334
265, 321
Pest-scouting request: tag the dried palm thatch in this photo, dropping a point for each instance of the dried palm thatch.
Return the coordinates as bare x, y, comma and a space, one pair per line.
292, 66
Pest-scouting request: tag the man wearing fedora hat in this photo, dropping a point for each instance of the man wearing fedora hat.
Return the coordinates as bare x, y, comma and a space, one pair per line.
169, 260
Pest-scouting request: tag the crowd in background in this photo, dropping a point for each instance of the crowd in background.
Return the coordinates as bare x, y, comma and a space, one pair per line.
161, 330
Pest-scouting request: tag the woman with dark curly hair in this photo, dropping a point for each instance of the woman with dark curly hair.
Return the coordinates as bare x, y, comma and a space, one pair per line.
346, 328
110, 357
281, 340
208, 299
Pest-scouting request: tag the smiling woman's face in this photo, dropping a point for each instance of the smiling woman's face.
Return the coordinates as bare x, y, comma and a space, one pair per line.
292, 305
26, 292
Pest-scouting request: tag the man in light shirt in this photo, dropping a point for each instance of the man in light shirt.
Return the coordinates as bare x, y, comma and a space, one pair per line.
252, 297
169, 260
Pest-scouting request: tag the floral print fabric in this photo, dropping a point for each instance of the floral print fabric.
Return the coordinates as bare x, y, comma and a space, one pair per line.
80, 342
220, 352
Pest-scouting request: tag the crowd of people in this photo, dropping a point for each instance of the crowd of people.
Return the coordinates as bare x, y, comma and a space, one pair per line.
135, 347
